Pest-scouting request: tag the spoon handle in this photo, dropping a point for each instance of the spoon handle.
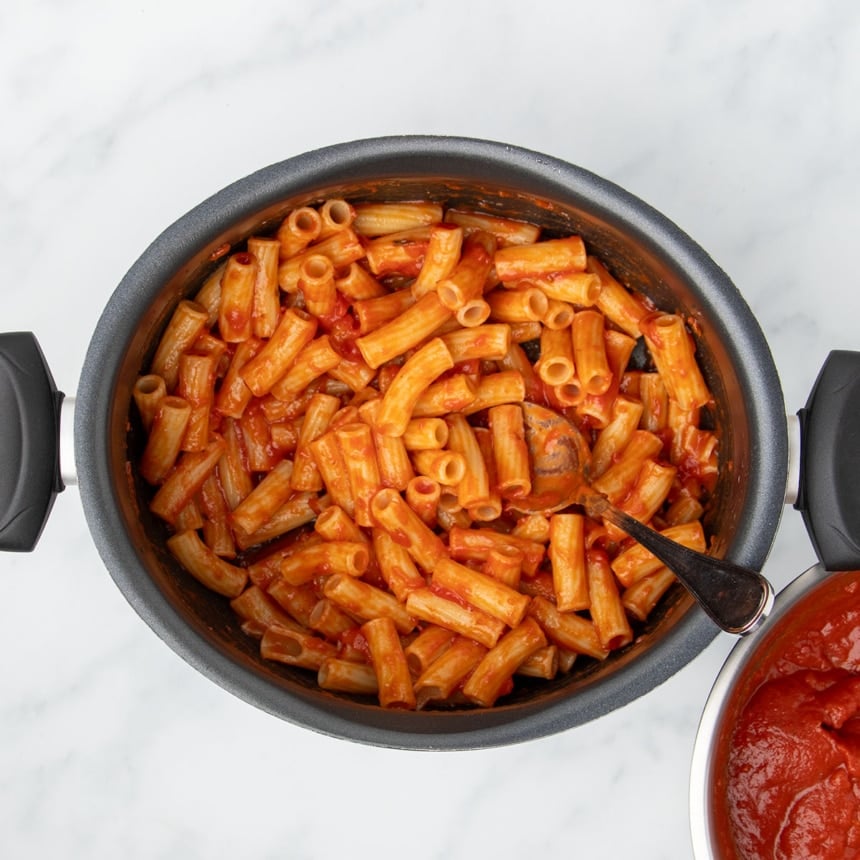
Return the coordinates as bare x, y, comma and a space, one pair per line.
736, 598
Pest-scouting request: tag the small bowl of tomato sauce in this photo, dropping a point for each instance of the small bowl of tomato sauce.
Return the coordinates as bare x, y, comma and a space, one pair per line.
776, 764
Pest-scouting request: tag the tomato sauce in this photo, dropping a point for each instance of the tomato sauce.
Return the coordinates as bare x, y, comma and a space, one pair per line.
790, 785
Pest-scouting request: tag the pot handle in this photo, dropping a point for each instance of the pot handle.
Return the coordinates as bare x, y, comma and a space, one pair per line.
829, 489
29, 441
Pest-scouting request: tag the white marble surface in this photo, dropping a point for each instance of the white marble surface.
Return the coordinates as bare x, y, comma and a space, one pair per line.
739, 121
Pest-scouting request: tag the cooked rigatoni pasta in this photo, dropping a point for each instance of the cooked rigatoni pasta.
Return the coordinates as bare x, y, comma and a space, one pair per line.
334, 433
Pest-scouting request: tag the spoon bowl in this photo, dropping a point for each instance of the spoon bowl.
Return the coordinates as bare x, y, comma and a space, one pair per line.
736, 598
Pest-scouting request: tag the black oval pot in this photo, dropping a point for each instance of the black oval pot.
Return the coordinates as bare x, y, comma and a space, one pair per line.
642, 247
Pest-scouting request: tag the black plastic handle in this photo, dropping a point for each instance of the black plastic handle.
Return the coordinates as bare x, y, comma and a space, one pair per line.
829, 491
29, 441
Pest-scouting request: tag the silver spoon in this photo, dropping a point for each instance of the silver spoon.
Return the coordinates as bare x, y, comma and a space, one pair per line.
736, 598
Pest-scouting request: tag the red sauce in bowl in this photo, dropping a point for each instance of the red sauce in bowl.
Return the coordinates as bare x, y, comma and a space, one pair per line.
789, 785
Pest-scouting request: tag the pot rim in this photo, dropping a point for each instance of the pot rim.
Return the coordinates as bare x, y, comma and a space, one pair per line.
390, 157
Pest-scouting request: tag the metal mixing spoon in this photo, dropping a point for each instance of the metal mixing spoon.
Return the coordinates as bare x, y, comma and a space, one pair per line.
736, 598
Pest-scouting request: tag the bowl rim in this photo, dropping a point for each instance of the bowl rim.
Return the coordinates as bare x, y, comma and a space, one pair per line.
388, 155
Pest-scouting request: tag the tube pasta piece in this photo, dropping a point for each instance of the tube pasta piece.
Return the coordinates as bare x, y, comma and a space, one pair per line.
366, 602
617, 480
490, 508
342, 248
567, 629
543, 663
481, 591
615, 436
420, 369
379, 219
267, 296
301, 227
234, 395
395, 565
237, 297
355, 282
389, 664
400, 253
589, 352
260, 504
525, 331
295, 648
640, 598
510, 452
465, 544
359, 458
294, 332
327, 454
507, 231
165, 439
185, 326
541, 258
516, 359
350, 558
395, 467
567, 555
209, 295
648, 493
392, 513
374, 312
534, 527
506, 386
185, 481
466, 281
253, 604
326, 618
439, 680
441, 258
655, 402
487, 681
558, 315
335, 214
607, 611
206, 567
299, 510
452, 394
427, 605
575, 288
555, 365
321, 409
347, 676
422, 495
523, 304
196, 385
474, 488
356, 374
426, 647
424, 434
615, 301
672, 349
404, 332
313, 361
334, 523
217, 534
484, 342
298, 601
147, 394
445, 467
473, 313
505, 565
598, 407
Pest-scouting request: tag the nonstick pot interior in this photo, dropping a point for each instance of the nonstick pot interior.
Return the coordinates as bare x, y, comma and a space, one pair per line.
641, 247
